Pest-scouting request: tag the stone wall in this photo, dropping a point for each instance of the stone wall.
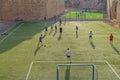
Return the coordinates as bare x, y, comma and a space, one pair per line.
29, 9
91, 4
56, 8
118, 12
115, 9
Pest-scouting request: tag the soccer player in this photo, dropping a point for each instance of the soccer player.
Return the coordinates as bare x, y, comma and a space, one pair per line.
60, 30
111, 38
45, 18
55, 28
40, 40
60, 21
46, 29
68, 55
90, 35
51, 27
76, 31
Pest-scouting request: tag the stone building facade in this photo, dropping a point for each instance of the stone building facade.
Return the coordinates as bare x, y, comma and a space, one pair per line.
115, 9
91, 4
30, 9
38, 9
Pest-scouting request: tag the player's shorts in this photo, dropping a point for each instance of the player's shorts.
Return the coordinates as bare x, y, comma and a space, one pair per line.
68, 56
40, 40
60, 31
111, 39
90, 36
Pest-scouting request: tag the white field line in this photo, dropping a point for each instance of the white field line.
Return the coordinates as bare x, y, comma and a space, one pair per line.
112, 69
72, 61
29, 70
67, 61
11, 33
54, 62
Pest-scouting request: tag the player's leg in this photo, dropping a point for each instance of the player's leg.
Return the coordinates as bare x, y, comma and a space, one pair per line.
41, 43
70, 60
38, 43
90, 37
111, 40
76, 34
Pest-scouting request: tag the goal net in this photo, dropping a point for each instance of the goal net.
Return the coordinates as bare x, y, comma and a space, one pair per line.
75, 72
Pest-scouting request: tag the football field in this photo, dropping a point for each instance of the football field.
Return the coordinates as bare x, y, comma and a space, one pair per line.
84, 15
22, 59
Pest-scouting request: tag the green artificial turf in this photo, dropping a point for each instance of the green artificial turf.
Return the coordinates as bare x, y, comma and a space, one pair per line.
84, 15
21, 59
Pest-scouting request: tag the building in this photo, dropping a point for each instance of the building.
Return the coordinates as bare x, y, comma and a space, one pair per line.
30, 9
89, 4
115, 9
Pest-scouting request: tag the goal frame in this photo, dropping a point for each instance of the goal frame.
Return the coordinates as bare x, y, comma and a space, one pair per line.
91, 65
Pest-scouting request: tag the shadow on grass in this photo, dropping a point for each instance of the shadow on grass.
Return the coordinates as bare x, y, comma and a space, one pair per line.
67, 73
20, 33
115, 49
76, 34
44, 35
92, 44
36, 50
54, 33
60, 36
50, 32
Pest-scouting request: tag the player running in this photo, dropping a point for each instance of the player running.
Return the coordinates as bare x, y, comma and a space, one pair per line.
40, 41
76, 31
90, 35
111, 38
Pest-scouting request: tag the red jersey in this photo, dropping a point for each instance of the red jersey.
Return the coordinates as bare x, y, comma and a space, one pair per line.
111, 37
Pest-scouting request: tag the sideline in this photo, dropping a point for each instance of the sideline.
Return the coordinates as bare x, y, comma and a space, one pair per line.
11, 33
67, 61
72, 61
112, 69
29, 70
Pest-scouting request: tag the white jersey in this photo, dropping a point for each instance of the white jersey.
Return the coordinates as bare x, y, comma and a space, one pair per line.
91, 34
68, 53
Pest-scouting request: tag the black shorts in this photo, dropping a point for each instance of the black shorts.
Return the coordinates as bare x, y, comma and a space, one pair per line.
90, 36
40, 41
111, 39
68, 56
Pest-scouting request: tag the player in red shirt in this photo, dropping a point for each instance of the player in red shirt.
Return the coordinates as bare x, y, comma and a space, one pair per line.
111, 38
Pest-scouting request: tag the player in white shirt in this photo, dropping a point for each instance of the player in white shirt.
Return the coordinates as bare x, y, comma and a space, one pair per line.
68, 55
90, 35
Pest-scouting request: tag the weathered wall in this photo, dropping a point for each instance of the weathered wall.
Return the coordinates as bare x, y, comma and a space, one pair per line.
8, 9
118, 12
91, 4
61, 6
22, 9
29, 9
0, 8
115, 9
34, 9
56, 8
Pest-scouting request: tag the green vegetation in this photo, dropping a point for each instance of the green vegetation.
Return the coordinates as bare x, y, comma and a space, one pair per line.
19, 49
84, 15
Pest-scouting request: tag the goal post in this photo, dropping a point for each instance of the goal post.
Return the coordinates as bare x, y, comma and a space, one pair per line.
83, 65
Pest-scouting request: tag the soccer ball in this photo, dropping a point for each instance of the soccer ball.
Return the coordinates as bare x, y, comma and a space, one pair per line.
45, 45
